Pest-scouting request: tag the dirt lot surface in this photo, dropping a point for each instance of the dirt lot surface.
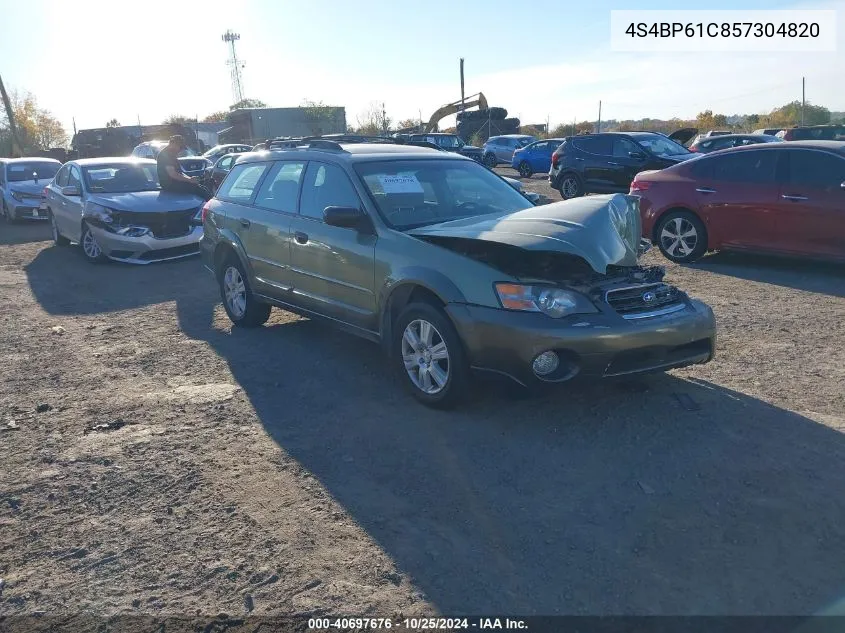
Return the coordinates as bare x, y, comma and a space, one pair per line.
155, 461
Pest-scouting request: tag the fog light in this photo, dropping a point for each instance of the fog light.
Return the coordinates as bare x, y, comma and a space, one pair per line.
545, 363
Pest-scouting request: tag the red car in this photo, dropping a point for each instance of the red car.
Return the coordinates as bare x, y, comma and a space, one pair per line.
786, 198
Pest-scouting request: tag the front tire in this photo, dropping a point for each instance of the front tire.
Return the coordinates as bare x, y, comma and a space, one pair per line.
428, 356
58, 238
90, 249
490, 160
243, 309
681, 237
570, 186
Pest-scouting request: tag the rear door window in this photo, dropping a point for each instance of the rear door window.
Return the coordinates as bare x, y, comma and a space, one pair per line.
599, 145
241, 183
756, 167
74, 178
61, 177
623, 148
280, 189
817, 170
326, 186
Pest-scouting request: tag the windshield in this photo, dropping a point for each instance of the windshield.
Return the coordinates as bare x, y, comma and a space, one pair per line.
19, 172
411, 193
661, 145
121, 178
522, 142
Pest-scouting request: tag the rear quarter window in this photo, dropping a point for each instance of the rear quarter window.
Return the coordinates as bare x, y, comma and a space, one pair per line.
241, 183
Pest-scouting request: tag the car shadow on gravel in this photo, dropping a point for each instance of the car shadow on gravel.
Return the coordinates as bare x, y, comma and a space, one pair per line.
801, 274
656, 495
23, 233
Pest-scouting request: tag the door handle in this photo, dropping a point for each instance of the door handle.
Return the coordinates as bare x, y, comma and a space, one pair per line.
794, 198
614, 164
579, 158
300, 237
705, 190
245, 223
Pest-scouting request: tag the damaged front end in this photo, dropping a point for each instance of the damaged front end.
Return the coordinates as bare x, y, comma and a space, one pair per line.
591, 246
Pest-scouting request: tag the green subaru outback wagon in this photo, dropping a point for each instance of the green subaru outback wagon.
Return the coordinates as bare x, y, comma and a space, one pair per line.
447, 266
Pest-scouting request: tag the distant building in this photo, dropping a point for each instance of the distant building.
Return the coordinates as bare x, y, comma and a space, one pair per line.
208, 133
253, 125
120, 141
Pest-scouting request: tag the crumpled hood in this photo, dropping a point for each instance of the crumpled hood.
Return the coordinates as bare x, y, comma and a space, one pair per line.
34, 187
591, 228
147, 201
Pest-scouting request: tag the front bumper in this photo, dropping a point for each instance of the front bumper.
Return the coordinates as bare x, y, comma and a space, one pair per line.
28, 210
597, 345
147, 249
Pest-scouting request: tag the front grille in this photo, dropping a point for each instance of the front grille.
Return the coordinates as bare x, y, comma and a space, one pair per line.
164, 225
634, 301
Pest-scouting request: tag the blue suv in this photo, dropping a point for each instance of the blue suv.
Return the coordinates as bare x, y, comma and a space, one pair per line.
536, 157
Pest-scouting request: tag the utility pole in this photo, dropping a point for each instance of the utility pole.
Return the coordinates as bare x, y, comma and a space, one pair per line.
803, 98
598, 127
462, 84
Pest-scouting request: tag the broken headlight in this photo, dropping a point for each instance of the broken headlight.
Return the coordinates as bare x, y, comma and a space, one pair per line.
99, 212
554, 302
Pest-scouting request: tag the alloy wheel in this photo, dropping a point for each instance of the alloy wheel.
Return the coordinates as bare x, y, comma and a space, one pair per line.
525, 170
89, 245
234, 290
678, 237
569, 187
426, 356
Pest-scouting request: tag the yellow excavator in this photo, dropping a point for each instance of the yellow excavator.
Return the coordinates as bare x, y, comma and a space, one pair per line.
17, 148
453, 108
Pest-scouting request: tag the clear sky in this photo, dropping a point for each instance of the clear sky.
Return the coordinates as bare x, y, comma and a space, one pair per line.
92, 60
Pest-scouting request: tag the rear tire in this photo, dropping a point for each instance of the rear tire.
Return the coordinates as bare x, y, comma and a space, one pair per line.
428, 356
58, 238
525, 170
89, 247
570, 186
681, 237
241, 306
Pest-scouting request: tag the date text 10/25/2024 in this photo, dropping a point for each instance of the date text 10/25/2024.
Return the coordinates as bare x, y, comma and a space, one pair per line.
417, 624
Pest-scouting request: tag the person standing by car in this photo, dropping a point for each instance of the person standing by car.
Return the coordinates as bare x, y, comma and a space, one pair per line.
170, 175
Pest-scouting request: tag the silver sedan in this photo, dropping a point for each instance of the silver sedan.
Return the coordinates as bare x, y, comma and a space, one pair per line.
114, 209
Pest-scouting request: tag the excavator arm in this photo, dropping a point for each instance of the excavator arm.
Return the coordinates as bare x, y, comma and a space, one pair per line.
453, 108
17, 148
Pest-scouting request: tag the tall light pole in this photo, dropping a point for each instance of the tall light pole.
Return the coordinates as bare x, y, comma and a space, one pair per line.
237, 83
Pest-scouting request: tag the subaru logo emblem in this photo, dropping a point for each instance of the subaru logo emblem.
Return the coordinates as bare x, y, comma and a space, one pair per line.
648, 297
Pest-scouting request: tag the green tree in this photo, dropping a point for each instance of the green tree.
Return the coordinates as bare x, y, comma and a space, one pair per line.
790, 114
113, 123
407, 124
248, 103
708, 121
319, 116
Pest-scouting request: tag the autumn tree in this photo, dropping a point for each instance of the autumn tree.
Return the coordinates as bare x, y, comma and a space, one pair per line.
113, 123
216, 117
37, 128
708, 121
408, 124
790, 114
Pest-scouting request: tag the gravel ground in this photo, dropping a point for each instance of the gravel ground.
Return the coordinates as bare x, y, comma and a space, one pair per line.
155, 461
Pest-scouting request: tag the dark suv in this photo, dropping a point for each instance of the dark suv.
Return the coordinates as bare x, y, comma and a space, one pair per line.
449, 142
447, 266
607, 163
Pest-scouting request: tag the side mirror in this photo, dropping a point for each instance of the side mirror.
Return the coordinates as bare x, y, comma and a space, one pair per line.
842, 185
71, 191
345, 217
637, 155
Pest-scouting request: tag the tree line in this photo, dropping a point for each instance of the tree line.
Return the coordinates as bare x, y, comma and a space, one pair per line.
40, 130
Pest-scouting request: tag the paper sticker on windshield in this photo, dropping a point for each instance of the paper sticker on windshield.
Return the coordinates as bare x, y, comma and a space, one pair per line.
405, 183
